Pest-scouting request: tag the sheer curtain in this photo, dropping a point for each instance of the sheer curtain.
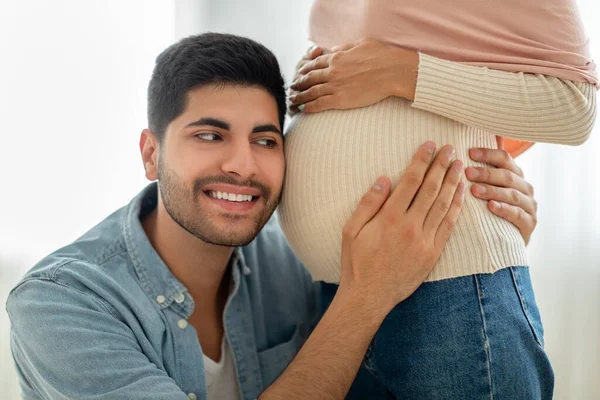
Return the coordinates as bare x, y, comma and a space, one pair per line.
73, 81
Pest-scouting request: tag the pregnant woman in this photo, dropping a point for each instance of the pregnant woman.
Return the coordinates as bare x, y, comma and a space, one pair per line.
401, 73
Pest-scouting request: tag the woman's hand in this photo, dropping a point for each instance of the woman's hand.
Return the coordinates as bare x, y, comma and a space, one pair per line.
312, 53
355, 76
503, 185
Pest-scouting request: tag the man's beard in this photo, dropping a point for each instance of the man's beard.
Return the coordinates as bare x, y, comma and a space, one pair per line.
181, 203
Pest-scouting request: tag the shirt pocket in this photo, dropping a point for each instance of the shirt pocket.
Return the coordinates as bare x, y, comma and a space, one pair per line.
273, 361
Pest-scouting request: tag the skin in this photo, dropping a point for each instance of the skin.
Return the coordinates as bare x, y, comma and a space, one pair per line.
378, 71
228, 139
192, 232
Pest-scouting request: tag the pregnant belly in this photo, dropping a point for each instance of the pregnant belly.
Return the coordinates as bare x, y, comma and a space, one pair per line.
334, 157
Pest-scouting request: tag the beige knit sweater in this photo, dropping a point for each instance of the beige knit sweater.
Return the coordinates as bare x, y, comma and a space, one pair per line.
333, 157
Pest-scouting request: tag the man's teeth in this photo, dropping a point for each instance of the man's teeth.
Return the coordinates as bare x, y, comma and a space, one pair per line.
230, 196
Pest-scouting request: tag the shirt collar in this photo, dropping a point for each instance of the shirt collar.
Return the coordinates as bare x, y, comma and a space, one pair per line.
156, 278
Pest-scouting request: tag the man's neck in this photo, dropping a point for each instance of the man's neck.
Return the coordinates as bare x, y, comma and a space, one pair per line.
200, 266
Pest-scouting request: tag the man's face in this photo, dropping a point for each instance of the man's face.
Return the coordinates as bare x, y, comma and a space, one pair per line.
221, 164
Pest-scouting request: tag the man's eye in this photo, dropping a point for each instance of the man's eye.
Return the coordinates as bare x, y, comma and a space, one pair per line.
270, 143
208, 137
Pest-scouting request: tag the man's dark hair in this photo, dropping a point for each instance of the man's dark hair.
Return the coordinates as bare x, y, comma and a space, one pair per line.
209, 58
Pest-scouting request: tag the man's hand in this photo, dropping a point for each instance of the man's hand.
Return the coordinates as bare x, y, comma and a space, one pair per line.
390, 245
355, 76
508, 194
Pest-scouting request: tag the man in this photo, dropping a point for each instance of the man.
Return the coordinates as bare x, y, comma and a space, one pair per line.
189, 291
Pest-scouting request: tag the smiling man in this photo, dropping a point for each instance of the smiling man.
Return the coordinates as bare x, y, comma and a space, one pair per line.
190, 291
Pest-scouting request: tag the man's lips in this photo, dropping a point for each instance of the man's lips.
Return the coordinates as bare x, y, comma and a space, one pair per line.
232, 198
225, 188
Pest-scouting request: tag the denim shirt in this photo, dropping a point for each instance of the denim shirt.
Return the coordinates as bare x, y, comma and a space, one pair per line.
104, 317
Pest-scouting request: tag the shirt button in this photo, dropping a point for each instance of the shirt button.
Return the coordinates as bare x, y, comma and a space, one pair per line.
192, 396
180, 298
160, 299
182, 323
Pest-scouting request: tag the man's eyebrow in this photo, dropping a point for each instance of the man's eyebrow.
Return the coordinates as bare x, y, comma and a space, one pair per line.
217, 123
266, 128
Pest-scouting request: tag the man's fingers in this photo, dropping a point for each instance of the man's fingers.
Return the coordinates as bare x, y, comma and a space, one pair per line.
367, 208
499, 177
505, 195
497, 158
429, 190
440, 208
411, 180
449, 222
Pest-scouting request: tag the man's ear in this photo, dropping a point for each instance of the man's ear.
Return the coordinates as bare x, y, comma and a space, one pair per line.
149, 147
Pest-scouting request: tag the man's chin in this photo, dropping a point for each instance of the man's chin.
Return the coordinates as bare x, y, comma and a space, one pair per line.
235, 234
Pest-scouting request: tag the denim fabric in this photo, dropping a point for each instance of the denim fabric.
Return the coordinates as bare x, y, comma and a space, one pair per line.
104, 318
474, 337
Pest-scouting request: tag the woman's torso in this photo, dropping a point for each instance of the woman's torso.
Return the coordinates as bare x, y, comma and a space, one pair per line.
333, 157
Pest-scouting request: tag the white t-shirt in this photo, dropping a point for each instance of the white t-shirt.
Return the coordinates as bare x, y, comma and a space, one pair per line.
221, 379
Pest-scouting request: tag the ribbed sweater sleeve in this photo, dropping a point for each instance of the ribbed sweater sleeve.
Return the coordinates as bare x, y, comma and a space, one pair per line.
532, 107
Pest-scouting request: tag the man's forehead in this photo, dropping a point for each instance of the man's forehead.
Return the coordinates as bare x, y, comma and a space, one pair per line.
234, 105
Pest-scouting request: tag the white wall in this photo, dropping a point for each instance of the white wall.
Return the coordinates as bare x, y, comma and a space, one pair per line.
73, 78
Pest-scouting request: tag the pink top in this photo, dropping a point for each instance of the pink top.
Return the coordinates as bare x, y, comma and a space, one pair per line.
534, 36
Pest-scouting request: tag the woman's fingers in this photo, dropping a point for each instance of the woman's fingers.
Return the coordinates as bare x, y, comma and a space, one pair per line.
320, 62
524, 221
311, 94
499, 177
510, 196
497, 158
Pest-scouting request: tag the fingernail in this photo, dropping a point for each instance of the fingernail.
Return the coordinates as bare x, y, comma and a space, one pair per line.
473, 173
479, 189
476, 154
495, 205
449, 151
301, 107
457, 165
379, 183
430, 147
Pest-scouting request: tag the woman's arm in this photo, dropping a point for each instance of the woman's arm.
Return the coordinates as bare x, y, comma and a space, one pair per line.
522, 106
531, 107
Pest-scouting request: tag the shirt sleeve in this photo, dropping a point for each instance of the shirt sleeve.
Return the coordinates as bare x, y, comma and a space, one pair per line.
522, 106
66, 344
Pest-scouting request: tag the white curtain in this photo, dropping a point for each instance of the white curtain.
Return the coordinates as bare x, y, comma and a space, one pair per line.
73, 78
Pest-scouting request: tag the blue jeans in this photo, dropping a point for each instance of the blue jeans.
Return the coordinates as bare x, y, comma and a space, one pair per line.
473, 337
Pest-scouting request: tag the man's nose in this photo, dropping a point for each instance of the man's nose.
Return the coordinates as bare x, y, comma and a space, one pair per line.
240, 161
